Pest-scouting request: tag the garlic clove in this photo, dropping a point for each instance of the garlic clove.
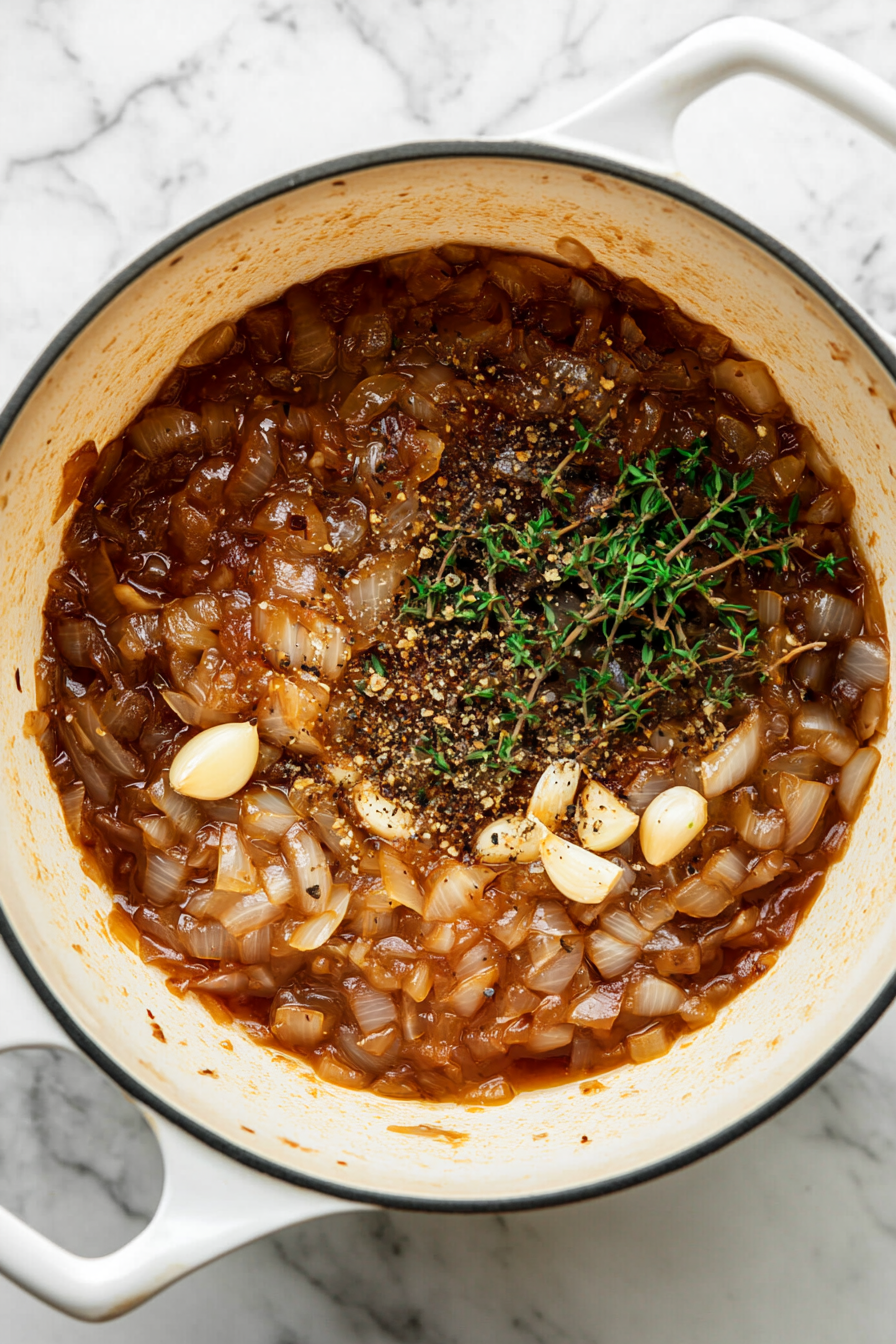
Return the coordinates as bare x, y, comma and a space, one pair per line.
601, 820
380, 815
554, 793
672, 820
579, 874
216, 763
510, 840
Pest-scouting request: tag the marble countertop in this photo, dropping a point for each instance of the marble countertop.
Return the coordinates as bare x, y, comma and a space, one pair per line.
118, 122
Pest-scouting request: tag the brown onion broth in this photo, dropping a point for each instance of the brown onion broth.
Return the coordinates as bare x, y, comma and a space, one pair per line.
473, 335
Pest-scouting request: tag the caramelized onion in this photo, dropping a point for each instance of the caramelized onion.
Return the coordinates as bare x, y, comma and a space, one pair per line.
610, 955
257, 463
750, 382
803, 801
370, 590
768, 867
817, 726
870, 713
865, 663
163, 431
369, 398
759, 830
309, 868
399, 879
769, 608
451, 892
312, 343
832, 616
855, 780
700, 899
736, 759
98, 740
372, 1008
653, 997
211, 346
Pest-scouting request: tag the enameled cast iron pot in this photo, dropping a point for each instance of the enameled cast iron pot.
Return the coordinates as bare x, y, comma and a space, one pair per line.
252, 1140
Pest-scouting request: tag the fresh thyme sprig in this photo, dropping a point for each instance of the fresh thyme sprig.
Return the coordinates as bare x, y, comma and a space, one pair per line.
618, 609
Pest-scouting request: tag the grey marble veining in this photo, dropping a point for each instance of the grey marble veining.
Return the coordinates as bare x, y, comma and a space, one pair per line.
120, 121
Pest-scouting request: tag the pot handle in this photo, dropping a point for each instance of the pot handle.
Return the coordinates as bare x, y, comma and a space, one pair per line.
637, 119
210, 1203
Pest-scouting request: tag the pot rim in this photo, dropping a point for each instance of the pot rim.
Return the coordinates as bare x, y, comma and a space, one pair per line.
352, 163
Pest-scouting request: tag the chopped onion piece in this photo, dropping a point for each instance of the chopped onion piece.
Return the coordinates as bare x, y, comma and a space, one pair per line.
736, 759
372, 1008
611, 956
399, 879
865, 663
598, 1009
803, 801
196, 715
236, 871
601, 820
700, 899
211, 346
672, 821
243, 913
97, 739
653, 997
160, 832
266, 814
554, 793
277, 882
832, 616
555, 960
165, 877
207, 939
226, 983
315, 931
309, 868
649, 1044
298, 1027
759, 830
72, 799
870, 713
163, 431
769, 608
767, 869
451, 891
624, 926
726, 868
817, 726
371, 588
418, 982
855, 779
749, 381
579, 874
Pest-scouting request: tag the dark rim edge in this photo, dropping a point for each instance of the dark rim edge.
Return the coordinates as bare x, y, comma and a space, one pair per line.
255, 196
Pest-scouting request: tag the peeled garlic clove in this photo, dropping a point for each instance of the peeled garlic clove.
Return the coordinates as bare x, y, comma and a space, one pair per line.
670, 823
554, 793
216, 762
576, 872
601, 820
510, 840
381, 815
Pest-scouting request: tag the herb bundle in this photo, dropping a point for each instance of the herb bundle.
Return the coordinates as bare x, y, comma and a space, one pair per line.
618, 617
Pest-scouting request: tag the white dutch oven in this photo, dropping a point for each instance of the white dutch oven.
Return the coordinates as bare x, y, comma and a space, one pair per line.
252, 1140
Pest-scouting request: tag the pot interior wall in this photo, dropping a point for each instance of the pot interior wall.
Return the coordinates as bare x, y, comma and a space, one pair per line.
269, 1103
